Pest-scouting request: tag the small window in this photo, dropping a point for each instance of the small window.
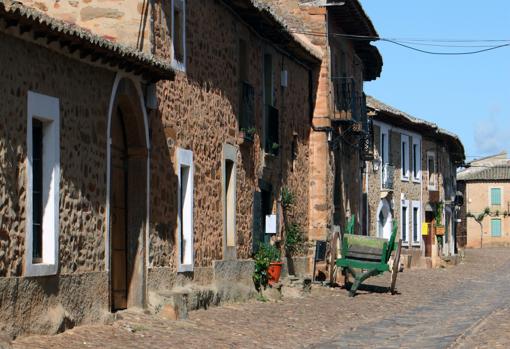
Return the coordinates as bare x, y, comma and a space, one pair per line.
431, 169
416, 223
229, 201
185, 210
416, 159
496, 227
404, 157
496, 196
179, 33
43, 177
385, 159
405, 221
246, 94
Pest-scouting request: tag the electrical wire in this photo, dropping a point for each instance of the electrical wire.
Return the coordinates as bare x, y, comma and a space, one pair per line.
407, 43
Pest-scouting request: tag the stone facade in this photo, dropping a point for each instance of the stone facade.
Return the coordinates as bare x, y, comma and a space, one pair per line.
38, 304
418, 190
110, 141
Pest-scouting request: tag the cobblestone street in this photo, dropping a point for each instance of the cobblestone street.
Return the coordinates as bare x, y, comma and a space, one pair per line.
461, 307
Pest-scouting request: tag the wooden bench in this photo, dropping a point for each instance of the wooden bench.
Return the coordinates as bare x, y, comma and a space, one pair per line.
364, 256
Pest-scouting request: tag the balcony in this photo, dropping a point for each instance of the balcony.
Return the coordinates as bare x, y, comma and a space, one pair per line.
388, 173
350, 104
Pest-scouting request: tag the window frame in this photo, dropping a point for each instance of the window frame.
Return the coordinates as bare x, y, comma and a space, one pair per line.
500, 196
229, 155
404, 204
416, 205
405, 171
47, 110
185, 159
434, 186
500, 227
181, 5
416, 155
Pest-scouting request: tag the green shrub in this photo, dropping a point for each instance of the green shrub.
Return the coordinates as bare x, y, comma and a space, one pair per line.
265, 255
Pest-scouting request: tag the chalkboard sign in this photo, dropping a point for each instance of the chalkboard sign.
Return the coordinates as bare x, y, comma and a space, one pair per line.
320, 250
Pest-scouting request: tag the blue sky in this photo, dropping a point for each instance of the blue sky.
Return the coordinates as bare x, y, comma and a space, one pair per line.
468, 95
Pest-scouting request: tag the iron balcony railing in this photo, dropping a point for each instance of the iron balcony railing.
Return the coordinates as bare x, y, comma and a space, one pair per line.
388, 173
247, 106
350, 104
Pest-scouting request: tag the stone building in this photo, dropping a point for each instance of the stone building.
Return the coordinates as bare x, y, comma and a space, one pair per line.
485, 184
412, 180
131, 167
338, 141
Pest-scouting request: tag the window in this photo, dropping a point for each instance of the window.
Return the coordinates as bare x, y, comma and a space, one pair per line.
185, 210
431, 169
271, 115
229, 200
43, 178
496, 227
416, 159
179, 34
246, 93
416, 222
384, 146
268, 79
404, 156
495, 196
405, 221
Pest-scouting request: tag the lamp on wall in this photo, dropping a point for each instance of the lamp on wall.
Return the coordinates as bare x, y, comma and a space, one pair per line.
376, 164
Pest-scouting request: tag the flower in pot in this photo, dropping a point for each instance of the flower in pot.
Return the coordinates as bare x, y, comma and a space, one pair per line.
246, 134
268, 266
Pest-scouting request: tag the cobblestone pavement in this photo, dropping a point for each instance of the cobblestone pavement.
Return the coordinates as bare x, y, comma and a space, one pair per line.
460, 307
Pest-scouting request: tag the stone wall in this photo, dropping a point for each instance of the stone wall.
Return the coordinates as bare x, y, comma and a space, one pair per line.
198, 111
126, 21
477, 198
84, 93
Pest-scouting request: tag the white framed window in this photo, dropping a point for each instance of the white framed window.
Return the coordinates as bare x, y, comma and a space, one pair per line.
416, 222
385, 146
179, 34
416, 155
185, 172
431, 170
404, 157
404, 219
43, 183
229, 183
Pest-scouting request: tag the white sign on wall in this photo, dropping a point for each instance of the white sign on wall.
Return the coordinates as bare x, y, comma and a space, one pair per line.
271, 224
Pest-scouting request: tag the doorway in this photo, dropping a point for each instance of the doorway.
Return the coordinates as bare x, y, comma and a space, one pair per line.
384, 220
128, 198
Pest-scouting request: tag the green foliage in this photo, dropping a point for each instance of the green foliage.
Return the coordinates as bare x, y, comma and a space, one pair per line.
249, 131
287, 198
264, 256
439, 214
295, 241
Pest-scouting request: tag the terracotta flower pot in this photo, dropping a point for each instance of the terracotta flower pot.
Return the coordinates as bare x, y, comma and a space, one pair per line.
274, 271
440, 230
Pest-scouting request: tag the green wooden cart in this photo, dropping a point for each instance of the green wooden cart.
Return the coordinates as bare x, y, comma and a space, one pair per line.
364, 257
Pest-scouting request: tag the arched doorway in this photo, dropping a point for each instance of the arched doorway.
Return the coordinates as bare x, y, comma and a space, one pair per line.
128, 197
384, 219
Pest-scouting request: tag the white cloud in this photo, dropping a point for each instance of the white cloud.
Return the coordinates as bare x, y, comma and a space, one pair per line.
492, 134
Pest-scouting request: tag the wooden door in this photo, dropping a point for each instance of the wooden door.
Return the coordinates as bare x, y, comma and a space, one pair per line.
118, 208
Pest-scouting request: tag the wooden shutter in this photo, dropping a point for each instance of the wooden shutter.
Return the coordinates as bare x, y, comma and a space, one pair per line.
496, 227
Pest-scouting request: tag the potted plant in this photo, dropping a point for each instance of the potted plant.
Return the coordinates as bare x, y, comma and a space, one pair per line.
440, 228
268, 266
246, 135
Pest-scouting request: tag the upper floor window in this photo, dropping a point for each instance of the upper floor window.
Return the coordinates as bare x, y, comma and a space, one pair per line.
496, 196
404, 156
384, 153
179, 34
431, 169
416, 150
496, 227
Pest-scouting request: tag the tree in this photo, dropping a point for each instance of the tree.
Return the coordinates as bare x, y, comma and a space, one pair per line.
481, 216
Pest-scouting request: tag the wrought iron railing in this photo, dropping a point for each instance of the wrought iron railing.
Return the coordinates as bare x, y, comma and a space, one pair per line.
388, 173
247, 106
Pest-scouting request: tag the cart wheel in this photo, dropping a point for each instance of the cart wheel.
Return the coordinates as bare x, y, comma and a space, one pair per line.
395, 268
333, 255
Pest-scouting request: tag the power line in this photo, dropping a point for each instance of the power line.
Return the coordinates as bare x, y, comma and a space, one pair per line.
407, 43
